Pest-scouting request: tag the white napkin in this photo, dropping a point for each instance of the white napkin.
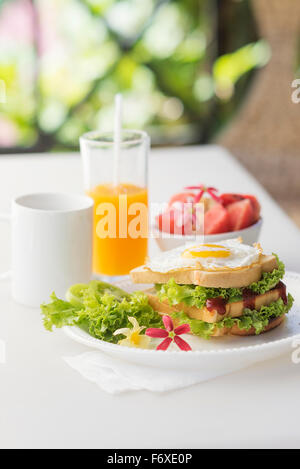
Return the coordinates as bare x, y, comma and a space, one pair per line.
115, 376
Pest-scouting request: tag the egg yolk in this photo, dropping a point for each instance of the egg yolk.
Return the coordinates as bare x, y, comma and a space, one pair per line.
206, 250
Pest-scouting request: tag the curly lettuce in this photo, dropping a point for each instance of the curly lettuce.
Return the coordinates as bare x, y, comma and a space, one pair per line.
99, 309
269, 280
194, 295
250, 318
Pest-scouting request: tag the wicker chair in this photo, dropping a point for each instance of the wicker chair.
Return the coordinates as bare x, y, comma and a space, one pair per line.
265, 135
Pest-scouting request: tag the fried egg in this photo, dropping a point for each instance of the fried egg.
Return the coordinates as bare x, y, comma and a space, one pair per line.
228, 254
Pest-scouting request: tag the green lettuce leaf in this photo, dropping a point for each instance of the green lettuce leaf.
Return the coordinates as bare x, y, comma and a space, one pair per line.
269, 279
194, 295
260, 319
100, 309
250, 318
59, 313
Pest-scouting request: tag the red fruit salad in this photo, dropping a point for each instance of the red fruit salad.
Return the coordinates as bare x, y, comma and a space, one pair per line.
222, 213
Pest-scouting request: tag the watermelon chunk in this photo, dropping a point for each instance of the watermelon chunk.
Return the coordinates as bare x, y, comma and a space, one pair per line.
255, 205
175, 222
182, 197
165, 222
230, 198
216, 220
241, 214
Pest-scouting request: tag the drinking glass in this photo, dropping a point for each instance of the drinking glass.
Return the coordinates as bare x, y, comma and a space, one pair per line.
120, 230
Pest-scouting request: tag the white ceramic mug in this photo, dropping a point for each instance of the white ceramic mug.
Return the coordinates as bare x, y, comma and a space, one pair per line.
51, 245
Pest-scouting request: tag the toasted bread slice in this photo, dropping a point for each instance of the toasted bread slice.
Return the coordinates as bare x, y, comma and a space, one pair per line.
233, 310
213, 279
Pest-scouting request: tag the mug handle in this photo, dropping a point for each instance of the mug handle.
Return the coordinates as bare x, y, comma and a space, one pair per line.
5, 217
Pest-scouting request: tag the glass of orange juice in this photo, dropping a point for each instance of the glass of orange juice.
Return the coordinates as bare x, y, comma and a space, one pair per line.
120, 233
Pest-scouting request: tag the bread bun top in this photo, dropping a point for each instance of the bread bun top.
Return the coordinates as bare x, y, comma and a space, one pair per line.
226, 278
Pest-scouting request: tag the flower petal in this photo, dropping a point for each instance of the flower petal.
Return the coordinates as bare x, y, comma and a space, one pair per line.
199, 196
155, 332
133, 322
182, 344
194, 187
124, 331
183, 329
144, 342
165, 344
211, 191
125, 343
167, 320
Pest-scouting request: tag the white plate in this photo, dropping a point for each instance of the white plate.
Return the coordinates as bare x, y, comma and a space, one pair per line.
215, 354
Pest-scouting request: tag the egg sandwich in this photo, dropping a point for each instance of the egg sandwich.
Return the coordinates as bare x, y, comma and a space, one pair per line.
218, 289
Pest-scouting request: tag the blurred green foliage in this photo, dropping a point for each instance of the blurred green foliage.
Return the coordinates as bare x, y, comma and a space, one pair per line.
62, 62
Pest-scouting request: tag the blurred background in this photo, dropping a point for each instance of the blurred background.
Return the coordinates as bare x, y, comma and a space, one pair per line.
191, 71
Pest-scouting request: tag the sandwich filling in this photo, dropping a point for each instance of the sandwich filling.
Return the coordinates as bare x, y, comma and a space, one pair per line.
208, 310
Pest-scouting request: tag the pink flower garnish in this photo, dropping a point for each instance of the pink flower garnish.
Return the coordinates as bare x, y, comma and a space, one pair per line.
210, 190
164, 344
182, 344
157, 333
183, 329
168, 323
169, 334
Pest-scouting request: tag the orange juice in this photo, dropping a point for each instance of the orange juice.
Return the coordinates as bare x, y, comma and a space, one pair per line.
119, 241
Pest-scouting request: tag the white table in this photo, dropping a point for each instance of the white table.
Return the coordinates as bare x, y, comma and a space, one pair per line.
44, 403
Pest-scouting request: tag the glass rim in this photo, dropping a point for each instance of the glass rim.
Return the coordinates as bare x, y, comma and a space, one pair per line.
95, 137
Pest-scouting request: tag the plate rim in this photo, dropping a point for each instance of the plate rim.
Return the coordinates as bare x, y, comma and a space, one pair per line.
70, 332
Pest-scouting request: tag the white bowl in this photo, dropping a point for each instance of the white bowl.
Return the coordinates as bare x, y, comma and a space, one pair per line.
167, 241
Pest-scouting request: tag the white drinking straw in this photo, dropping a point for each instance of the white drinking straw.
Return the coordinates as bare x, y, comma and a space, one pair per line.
117, 138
